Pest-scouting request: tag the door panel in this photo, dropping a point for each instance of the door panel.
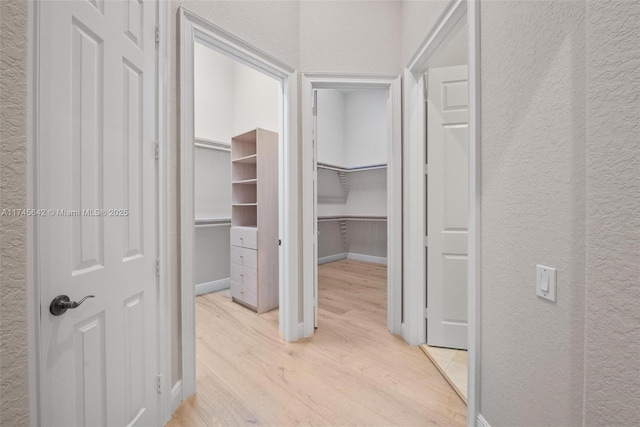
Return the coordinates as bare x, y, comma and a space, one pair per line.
447, 206
96, 178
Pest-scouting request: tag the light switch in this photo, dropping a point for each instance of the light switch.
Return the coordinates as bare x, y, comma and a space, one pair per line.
546, 282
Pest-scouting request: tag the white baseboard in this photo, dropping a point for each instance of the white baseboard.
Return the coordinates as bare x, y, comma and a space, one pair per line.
352, 255
215, 286
300, 330
176, 396
482, 422
332, 258
367, 258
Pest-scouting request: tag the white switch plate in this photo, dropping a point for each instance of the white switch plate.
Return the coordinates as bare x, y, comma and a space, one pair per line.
546, 277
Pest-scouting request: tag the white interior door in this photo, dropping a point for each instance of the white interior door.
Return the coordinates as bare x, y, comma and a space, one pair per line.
96, 151
447, 206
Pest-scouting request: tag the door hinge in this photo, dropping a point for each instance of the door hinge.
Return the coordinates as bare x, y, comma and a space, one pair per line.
157, 150
426, 169
426, 241
157, 34
279, 242
157, 268
159, 383
426, 313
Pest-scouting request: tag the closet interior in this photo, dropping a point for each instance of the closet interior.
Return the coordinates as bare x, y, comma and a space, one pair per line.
352, 149
235, 180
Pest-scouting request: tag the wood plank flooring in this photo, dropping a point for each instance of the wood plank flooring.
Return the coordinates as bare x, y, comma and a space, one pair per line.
351, 372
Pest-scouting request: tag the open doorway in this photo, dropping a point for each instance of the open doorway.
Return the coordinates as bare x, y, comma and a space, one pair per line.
352, 147
447, 211
441, 234
238, 203
352, 191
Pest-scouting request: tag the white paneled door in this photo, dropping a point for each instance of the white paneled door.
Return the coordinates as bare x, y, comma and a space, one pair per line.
447, 206
96, 184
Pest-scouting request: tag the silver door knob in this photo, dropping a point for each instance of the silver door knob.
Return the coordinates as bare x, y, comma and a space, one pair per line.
62, 303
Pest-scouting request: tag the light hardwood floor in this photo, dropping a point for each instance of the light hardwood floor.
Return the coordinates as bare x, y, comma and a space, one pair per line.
453, 364
351, 372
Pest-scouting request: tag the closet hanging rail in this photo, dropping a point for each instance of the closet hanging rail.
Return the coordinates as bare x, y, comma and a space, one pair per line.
212, 145
212, 222
373, 218
354, 169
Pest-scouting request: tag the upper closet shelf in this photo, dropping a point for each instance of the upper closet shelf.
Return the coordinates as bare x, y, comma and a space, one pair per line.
246, 181
354, 169
352, 218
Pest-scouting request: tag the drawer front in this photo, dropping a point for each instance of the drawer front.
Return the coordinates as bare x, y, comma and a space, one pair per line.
244, 256
250, 294
245, 275
245, 237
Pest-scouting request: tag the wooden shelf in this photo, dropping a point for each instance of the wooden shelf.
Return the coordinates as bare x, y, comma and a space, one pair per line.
251, 159
246, 182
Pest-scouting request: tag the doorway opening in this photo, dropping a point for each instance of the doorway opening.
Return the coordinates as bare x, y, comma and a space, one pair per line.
447, 208
442, 182
238, 198
352, 145
352, 190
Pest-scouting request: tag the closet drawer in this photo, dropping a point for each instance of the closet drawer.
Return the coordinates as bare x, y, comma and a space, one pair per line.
247, 237
244, 256
246, 275
250, 294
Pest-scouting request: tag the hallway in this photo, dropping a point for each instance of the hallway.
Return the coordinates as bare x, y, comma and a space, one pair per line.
351, 372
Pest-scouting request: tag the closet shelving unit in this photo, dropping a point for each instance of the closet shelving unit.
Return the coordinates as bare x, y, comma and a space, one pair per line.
254, 220
354, 169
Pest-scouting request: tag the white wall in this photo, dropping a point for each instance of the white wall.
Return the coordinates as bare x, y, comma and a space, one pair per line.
212, 197
366, 134
350, 36
214, 78
331, 127
612, 347
256, 100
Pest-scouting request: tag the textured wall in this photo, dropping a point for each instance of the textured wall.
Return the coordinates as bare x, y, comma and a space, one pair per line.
612, 370
350, 36
533, 211
418, 16
14, 398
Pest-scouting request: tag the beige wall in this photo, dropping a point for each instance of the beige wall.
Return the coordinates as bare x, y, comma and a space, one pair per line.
612, 348
14, 399
560, 184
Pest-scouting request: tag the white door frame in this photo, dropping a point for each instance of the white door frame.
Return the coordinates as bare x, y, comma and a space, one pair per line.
163, 212
192, 28
391, 83
455, 15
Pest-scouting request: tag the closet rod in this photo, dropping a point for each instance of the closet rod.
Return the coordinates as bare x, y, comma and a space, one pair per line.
355, 169
212, 222
212, 145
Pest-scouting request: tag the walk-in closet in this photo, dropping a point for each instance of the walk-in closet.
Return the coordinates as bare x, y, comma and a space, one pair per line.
352, 147
235, 182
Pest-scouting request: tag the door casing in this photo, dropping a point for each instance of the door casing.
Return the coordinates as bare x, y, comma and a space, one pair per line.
391, 83
457, 13
163, 202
